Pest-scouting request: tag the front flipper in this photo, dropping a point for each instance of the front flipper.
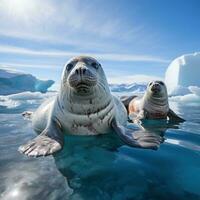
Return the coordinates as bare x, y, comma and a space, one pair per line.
174, 117
137, 138
27, 115
48, 142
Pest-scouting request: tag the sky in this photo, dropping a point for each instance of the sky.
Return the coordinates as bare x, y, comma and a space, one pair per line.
134, 40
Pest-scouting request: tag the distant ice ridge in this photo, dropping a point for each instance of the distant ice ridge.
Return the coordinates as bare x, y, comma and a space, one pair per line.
134, 87
12, 82
182, 74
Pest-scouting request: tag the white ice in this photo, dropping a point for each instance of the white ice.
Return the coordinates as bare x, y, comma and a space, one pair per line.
24, 98
182, 73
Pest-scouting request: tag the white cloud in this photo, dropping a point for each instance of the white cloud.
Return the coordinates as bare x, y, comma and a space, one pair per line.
100, 56
82, 24
138, 78
60, 19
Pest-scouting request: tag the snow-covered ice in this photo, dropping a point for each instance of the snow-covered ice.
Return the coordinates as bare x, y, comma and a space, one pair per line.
12, 82
23, 99
133, 88
182, 73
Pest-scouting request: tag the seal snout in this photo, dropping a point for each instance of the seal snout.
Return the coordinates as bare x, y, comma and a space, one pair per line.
82, 78
81, 71
156, 88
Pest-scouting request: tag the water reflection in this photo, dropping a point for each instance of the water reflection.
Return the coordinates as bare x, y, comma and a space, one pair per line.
95, 167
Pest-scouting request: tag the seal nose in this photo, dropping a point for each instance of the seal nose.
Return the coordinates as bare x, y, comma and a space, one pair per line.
81, 71
156, 87
82, 77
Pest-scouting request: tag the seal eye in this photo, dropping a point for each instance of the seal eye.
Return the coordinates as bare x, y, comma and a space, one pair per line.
69, 66
150, 83
160, 82
95, 65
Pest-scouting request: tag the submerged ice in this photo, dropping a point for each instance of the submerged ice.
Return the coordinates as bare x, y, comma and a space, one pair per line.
12, 82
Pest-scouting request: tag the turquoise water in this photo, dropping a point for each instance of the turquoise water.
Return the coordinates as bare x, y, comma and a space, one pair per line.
98, 167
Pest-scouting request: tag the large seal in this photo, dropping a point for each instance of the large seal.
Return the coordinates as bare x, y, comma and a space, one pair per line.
152, 105
83, 106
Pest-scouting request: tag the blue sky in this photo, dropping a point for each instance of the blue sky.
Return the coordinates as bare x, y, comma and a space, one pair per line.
135, 40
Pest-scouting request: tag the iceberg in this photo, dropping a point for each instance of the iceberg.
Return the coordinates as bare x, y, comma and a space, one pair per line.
12, 82
183, 73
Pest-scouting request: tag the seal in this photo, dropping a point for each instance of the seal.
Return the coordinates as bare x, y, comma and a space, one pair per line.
83, 106
152, 105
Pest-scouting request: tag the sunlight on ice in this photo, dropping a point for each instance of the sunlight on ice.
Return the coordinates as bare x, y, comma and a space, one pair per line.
13, 194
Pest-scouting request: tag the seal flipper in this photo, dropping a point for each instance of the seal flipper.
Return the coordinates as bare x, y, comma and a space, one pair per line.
126, 100
27, 115
138, 138
48, 142
174, 117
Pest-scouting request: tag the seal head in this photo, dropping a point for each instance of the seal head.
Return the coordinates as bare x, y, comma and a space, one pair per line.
157, 88
81, 74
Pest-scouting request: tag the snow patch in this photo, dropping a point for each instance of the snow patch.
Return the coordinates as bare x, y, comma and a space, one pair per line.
17, 101
179, 91
190, 99
195, 90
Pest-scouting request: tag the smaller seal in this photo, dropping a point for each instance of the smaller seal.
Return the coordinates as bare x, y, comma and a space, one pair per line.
152, 105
